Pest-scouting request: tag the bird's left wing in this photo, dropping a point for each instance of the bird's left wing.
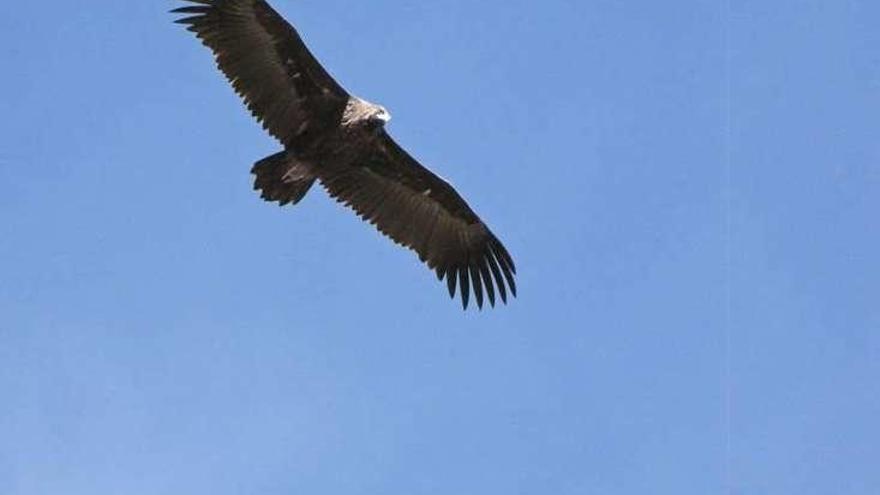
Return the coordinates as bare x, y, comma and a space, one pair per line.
419, 210
270, 67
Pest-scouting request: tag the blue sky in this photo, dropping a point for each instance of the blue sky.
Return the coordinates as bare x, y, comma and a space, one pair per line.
690, 191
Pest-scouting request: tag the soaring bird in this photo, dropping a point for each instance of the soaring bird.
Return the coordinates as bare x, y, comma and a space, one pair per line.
340, 140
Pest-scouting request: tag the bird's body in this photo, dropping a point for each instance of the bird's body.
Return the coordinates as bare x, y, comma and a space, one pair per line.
285, 177
340, 140
358, 130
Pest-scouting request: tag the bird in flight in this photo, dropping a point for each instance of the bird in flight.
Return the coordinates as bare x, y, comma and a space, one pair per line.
340, 140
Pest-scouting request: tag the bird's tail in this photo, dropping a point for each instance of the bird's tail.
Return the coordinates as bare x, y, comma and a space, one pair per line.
282, 178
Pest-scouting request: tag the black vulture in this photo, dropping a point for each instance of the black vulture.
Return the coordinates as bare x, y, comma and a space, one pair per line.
340, 140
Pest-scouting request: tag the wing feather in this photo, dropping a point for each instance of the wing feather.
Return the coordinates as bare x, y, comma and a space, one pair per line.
268, 65
419, 210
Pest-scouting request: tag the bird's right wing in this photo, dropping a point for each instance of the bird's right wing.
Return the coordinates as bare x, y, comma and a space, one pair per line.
419, 210
269, 66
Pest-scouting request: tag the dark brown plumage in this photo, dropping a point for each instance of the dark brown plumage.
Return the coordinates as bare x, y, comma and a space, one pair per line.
340, 140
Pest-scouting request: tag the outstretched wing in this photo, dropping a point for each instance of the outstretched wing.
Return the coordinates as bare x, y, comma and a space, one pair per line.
269, 66
421, 211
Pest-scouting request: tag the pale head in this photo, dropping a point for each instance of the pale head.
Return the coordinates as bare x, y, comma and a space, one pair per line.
359, 111
381, 114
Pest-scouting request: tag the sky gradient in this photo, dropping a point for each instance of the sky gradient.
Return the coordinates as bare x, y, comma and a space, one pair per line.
690, 191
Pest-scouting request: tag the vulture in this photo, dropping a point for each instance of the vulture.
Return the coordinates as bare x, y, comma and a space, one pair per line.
340, 140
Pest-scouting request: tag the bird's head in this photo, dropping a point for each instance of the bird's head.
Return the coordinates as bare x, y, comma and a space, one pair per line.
380, 115
363, 113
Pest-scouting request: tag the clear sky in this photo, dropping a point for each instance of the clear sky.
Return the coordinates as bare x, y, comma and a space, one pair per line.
690, 190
